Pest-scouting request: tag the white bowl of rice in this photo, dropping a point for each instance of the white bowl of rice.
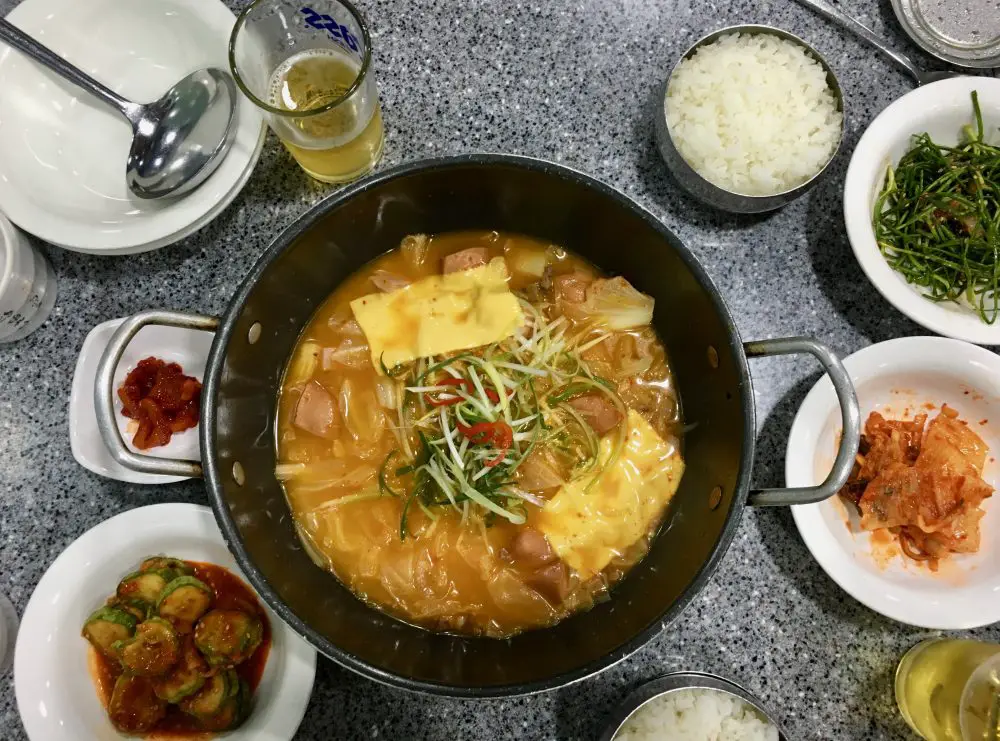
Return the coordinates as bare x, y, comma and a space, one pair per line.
751, 117
691, 706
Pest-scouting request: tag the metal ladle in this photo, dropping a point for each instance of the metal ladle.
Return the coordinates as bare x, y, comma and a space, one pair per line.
922, 76
177, 141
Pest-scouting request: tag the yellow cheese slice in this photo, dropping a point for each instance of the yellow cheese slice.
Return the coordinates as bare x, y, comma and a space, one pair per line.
439, 315
588, 528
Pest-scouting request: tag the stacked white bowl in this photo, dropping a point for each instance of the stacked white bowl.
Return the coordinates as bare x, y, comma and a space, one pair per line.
63, 151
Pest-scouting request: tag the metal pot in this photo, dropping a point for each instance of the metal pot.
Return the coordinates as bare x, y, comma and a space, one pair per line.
337, 237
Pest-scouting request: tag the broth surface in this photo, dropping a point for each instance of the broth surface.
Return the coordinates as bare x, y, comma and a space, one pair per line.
462, 571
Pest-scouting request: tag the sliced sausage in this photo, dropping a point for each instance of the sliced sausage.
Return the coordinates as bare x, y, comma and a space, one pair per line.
530, 548
388, 282
551, 581
572, 287
466, 259
597, 411
542, 569
315, 411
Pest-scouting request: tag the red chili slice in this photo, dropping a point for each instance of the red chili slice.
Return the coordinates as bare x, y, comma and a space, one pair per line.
438, 402
502, 440
498, 434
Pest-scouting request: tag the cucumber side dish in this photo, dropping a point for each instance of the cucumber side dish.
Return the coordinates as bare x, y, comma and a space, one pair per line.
180, 645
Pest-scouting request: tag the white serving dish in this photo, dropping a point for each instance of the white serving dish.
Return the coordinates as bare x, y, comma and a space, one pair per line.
893, 377
940, 109
64, 152
189, 348
55, 693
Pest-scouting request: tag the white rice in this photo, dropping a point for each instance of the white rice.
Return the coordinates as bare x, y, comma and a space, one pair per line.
696, 715
753, 114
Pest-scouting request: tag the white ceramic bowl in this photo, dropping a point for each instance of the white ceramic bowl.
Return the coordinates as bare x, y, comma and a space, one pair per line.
55, 693
940, 109
186, 347
64, 152
897, 377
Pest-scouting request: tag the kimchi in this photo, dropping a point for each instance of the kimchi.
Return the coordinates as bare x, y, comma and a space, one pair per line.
161, 399
921, 482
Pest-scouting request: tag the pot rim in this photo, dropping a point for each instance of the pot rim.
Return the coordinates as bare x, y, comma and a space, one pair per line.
230, 531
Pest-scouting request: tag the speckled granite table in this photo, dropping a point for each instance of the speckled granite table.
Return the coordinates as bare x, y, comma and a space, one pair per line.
567, 81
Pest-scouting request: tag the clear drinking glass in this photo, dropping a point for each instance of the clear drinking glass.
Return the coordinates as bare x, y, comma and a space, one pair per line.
948, 689
307, 65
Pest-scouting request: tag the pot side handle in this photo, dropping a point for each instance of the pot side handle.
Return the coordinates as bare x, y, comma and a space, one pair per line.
104, 392
849, 412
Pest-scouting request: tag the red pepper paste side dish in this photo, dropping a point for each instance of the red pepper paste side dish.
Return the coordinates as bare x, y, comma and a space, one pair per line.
161, 399
924, 486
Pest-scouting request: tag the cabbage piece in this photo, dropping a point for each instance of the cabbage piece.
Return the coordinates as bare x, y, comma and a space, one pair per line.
615, 304
337, 473
303, 364
343, 321
350, 353
515, 598
539, 472
386, 390
634, 354
526, 260
361, 413
414, 248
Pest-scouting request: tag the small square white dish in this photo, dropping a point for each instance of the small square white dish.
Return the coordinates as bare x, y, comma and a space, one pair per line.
186, 347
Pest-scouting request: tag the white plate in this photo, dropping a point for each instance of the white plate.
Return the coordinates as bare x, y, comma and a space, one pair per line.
55, 694
63, 151
940, 109
895, 377
195, 225
187, 347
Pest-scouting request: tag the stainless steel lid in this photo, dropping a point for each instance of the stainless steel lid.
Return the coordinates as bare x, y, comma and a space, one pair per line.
963, 32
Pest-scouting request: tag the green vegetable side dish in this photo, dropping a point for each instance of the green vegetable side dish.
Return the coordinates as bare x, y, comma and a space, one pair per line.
171, 655
937, 219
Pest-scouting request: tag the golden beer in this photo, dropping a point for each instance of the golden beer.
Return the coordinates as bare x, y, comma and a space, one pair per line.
946, 689
336, 145
308, 68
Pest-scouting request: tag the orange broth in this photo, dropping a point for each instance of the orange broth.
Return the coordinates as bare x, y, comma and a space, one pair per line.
447, 575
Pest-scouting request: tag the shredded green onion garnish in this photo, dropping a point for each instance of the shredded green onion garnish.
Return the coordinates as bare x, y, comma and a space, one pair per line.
467, 422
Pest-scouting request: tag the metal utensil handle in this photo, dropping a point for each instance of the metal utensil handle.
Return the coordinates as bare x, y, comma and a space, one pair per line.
104, 392
849, 412
828, 11
21, 41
